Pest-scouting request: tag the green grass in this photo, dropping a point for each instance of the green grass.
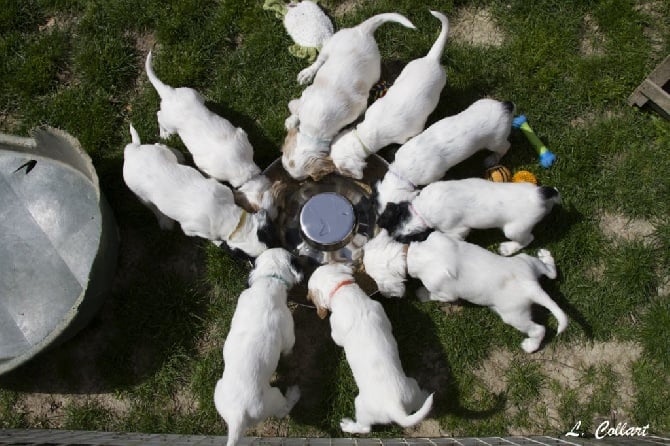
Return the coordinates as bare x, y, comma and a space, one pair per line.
154, 350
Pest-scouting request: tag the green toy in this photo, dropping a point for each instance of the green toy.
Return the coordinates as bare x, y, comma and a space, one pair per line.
546, 157
306, 23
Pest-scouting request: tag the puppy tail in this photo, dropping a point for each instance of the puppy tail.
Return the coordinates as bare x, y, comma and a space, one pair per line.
410, 420
541, 298
437, 49
160, 87
370, 25
134, 136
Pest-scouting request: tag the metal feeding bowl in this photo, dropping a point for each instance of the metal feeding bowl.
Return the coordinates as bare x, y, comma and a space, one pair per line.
328, 221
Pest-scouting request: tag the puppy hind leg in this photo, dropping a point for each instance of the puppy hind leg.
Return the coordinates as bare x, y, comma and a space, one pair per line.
361, 425
548, 266
278, 405
163, 129
306, 75
522, 321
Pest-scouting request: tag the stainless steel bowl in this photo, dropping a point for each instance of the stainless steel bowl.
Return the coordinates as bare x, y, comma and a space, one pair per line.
330, 220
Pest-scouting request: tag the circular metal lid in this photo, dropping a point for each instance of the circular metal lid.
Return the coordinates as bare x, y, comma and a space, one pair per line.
327, 220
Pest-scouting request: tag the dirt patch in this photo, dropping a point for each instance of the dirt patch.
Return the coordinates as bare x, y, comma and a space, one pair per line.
475, 26
58, 21
656, 28
428, 428
9, 122
347, 7
576, 368
620, 227
596, 272
591, 118
593, 40
50, 410
144, 42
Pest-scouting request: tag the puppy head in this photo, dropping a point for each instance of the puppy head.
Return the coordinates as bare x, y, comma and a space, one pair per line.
385, 260
303, 157
279, 262
256, 194
391, 190
345, 156
323, 281
395, 215
318, 166
402, 224
308, 164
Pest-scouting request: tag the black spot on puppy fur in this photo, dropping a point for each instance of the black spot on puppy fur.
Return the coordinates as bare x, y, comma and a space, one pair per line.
394, 216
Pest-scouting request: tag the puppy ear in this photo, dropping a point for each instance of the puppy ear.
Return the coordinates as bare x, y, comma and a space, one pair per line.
415, 237
350, 173
394, 214
290, 142
321, 312
242, 201
296, 268
278, 189
319, 167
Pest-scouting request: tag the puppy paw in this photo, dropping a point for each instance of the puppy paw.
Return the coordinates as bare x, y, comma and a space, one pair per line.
529, 345
491, 160
305, 76
508, 248
547, 259
423, 294
545, 256
350, 426
291, 122
164, 133
292, 395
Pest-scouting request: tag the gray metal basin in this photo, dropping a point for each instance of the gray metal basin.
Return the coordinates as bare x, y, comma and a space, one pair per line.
58, 243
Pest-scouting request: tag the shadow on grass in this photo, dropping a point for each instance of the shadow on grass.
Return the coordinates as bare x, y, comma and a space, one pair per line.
311, 366
424, 358
542, 315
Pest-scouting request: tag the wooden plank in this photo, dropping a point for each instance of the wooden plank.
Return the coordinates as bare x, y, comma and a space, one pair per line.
651, 89
661, 73
656, 94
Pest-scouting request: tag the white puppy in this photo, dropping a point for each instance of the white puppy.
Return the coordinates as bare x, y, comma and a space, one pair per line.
451, 269
219, 149
345, 70
486, 124
359, 324
397, 116
454, 207
202, 206
261, 330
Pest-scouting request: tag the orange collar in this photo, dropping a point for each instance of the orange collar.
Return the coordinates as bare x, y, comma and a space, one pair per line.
340, 285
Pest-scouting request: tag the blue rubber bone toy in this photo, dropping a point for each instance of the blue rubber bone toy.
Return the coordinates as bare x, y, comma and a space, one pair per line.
546, 157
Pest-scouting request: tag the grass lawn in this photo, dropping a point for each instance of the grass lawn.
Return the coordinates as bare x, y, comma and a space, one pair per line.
149, 360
